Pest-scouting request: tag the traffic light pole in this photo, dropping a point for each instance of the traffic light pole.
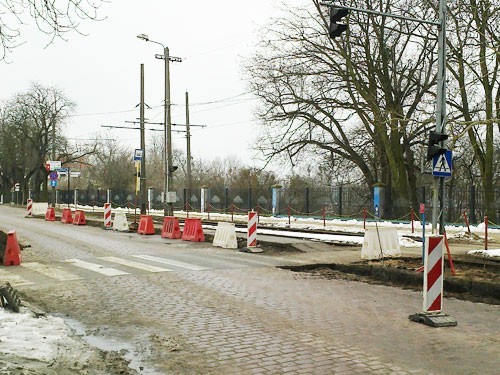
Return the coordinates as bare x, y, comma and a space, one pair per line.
438, 182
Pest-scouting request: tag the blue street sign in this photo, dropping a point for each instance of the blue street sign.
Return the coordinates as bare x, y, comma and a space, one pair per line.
53, 175
138, 154
442, 164
53, 183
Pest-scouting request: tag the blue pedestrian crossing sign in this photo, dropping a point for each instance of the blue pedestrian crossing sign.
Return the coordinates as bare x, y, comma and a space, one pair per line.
442, 164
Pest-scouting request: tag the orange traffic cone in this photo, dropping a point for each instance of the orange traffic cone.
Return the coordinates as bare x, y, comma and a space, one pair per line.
12, 255
80, 218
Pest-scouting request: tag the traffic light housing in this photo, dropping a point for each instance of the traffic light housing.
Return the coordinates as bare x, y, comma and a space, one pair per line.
336, 29
434, 148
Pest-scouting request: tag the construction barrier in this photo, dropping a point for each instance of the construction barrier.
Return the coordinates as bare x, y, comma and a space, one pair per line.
50, 215
12, 254
107, 215
40, 208
171, 228
146, 225
433, 275
120, 222
80, 218
67, 217
193, 230
379, 243
252, 229
29, 207
225, 236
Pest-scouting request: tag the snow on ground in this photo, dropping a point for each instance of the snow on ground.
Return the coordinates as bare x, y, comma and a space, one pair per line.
24, 335
494, 253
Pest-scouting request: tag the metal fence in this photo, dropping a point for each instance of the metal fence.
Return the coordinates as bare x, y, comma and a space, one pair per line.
343, 201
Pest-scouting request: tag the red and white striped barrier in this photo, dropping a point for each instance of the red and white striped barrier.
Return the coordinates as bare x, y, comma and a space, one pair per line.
107, 215
433, 275
29, 207
252, 229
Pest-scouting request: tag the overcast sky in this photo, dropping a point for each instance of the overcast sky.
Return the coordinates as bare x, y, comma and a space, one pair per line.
100, 71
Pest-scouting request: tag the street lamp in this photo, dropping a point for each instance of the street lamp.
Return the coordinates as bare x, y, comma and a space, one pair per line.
167, 124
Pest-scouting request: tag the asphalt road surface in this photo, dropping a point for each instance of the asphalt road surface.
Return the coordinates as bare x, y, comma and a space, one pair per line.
170, 306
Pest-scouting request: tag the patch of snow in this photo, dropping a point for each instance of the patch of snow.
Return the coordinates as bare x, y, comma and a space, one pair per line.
23, 335
486, 253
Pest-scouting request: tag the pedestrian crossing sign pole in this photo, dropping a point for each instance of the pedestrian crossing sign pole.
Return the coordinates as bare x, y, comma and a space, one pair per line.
442, 164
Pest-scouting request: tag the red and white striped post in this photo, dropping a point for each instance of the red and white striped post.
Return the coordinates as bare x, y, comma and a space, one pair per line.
107, 215
433, 287
252, 229
433, 275
29, 207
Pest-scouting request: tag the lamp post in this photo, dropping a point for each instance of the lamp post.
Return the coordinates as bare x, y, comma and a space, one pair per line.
167, 125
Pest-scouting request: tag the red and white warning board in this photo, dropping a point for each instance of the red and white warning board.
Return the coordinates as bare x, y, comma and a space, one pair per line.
252, 229
433, 275
107, 215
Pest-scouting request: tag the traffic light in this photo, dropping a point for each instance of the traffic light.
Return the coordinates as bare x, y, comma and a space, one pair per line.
335, 28
434, 148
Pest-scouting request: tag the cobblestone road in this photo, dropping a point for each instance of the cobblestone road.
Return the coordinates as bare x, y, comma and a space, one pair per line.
237, 313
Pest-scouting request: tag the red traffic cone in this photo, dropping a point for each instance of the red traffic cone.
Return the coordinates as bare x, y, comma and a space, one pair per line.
12, 255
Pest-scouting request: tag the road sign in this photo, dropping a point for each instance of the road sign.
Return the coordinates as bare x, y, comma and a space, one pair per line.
138, 154
53, 176
62, 171
75, 174
53, 183
17, 186
442, 164
54, 164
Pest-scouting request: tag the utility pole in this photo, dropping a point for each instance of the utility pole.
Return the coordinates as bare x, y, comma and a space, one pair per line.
144, 196
168, 205
54, 147
188, 150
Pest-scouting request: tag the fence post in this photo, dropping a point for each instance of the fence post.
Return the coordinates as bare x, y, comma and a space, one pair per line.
364, 218
208, 211
288, 211
466, 221
258, 214
250, 199
226, 199
412, 219
486, 233
341, 188
307, 201
472, 215
232, 212
323, 213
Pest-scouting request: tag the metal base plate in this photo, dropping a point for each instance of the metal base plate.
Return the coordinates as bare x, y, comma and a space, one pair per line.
434, 319
251, 250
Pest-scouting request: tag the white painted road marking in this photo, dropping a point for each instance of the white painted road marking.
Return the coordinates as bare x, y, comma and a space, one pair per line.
171, 262
53, 272
131, 263
96, 267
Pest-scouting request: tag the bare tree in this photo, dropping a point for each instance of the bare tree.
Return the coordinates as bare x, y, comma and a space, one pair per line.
52, 17
33, 122
365, 97
474, 64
